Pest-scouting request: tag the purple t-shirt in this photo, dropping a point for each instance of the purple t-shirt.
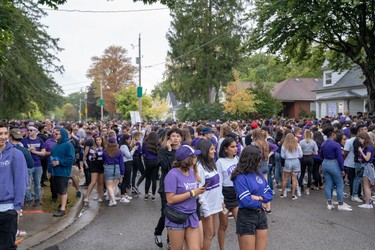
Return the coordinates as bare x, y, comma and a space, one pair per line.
368, 149
38, 143
177, 183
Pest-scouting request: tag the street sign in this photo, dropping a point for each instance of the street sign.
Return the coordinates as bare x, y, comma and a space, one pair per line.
101, 101
139, 92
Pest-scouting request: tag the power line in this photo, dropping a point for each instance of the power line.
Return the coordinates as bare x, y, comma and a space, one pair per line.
104, 11
73, 83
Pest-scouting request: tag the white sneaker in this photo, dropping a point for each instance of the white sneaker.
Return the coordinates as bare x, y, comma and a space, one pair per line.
307, 191
345, 204
284, 195
330, 207
128, 197
117, 198
344, 208
335, 203
334, 193
112, 203
288, 189
369, 206
107, 197
124, 200
356, 199
299, 192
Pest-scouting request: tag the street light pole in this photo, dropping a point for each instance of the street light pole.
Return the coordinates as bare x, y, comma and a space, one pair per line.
140, 78
101, 101
86, 109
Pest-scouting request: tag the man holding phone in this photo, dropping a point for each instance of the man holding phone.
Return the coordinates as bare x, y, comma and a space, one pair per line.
166, 157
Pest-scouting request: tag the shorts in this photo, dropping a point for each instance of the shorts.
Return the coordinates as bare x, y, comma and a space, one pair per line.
292, 165
75, 171
61, 184
96, 166
249, 220
111, 172
230, 199
176, 228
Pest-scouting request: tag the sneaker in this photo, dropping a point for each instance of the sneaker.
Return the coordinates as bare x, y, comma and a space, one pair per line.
307, 191
37, 202
59, 213
280, 189
268, 211
368, 206
316, 188
136, 190
288, 189
153, 197
299, 192
335, 203
78, 194
21, 213
124, 200
294, 197
284, 195
345, 204
273, 192
117, 198
112, 203
158, 240
86, 203
344, 208
53, 200
330, 206
107, 197
334, 193
356, 199
346, 196
146, 197
128, 197
21, 233
100, 200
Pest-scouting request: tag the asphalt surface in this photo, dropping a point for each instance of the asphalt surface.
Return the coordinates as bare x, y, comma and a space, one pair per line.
302, 224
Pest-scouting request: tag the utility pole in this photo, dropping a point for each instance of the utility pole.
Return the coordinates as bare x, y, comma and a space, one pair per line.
139, 89
80, 106
86, 110
101, 101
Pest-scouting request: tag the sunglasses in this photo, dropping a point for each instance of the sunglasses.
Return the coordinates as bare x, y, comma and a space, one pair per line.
31, 130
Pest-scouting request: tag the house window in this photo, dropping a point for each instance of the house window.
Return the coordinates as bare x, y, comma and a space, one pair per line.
328, 78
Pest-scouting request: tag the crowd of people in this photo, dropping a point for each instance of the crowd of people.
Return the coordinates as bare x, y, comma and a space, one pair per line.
207, 170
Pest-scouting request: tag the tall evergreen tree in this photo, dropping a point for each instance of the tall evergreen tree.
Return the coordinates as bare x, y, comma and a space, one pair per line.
204, 38
29, 61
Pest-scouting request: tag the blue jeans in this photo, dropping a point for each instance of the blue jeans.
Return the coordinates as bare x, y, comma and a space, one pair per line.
357, 180
332, 177
35, 174
278, 170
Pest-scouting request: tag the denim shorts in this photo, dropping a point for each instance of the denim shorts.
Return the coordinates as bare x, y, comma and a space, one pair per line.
111, 172
263, 167
292, 165
249, 220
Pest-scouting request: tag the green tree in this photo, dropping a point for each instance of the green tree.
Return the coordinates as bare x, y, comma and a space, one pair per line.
267, 105
126, 101
25, 75
204, 39
196, 112
345, 28
161, 89
70, 113
159, 108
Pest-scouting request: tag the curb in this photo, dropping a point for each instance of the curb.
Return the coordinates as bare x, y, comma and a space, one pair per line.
77, 219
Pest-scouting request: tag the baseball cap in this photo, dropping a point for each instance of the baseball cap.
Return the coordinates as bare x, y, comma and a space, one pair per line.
254, 125
16, 133
185, 151
206, 130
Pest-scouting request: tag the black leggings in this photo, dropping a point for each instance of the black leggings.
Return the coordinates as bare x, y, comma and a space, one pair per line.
316, 174
126, 181
161, 223
152, 170
307, 162
138, 166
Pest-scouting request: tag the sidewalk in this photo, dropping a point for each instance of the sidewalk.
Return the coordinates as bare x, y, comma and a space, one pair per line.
43, 230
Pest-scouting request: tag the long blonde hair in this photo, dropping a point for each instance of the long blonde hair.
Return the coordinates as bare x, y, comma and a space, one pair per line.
290, 143
261, 142
307, 135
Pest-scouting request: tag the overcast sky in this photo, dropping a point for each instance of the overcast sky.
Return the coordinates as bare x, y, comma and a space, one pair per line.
84, 35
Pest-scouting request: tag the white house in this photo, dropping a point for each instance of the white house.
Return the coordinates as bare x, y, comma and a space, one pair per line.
340, 91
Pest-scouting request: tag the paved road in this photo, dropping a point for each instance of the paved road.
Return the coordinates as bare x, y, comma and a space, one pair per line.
301, 224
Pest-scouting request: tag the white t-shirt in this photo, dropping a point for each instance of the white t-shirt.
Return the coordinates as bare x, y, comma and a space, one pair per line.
349, 160
225, 167
211, 200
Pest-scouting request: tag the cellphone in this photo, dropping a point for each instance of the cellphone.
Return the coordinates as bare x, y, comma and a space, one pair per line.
206, 184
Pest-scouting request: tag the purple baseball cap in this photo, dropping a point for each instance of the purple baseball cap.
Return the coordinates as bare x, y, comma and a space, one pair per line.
185, 151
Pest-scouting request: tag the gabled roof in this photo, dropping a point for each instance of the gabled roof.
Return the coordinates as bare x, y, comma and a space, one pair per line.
296, 89
352, 78
172, 99
343, 95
